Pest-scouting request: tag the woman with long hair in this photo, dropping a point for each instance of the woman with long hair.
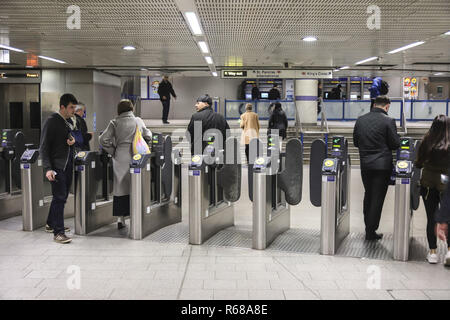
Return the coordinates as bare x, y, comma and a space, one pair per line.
434, 157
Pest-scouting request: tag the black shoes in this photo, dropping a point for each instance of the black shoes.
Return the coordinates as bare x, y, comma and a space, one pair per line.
121, 225
374, 236
166, 122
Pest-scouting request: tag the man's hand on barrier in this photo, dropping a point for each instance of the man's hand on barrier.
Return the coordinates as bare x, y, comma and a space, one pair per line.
70, 142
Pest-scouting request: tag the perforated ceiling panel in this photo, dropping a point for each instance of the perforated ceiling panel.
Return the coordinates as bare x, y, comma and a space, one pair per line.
270, 32
239, 32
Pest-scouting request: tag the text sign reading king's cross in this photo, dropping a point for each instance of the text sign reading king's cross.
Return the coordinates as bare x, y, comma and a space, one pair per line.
278, 74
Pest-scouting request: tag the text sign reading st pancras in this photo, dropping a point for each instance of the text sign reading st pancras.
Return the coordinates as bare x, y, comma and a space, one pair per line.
278, 74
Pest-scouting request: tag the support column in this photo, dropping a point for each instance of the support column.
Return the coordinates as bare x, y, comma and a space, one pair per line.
306, 100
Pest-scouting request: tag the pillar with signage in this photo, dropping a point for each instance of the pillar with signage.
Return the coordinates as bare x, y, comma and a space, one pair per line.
306, 100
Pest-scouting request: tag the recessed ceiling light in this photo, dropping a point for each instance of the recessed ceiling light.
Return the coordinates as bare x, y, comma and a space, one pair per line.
412, 45
346, 67
336, 70
209, 60
447, 33
129, 48
194, 24
214, 74
439, 74
157, 74
203, 46
10, 48
366, 60
309, 39
51, 59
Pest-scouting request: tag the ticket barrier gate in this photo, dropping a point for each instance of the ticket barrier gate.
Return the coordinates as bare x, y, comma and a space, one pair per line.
12, 147
35, 203
93, 201
277, 184
330, 190
214, 186
155, 200
407, 196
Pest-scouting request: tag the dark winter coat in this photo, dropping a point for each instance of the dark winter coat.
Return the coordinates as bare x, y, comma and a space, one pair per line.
278, 120
375, 134
209, 120
165, 90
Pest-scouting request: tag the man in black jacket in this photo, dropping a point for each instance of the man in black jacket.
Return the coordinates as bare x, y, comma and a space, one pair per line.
255, 92
80, 109
57, 158
375, 134
274, 94
209, 120
165, 90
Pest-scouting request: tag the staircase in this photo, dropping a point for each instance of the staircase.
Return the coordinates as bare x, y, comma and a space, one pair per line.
177, 132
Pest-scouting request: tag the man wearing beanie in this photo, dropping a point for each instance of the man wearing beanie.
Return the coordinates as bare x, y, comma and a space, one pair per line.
209, 120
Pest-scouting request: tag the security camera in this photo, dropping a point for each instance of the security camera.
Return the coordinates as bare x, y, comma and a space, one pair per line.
287, 65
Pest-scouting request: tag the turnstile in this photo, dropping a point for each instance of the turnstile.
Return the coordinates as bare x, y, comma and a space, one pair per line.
277, 184
11, 149
155, 200
93, 202
331, 192
407, 196
214, 185
35, 203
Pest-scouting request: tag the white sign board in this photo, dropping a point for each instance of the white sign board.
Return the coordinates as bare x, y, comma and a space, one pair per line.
277, 74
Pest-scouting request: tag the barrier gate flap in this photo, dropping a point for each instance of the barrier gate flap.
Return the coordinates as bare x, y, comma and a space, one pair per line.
19, 145
166, 174
229, 176
318, 155
257, 147
415, 180
291, 178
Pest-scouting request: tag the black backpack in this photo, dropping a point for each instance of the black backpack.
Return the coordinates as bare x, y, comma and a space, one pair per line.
384, 88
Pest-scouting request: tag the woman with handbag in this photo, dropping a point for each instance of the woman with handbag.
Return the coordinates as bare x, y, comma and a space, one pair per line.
117, 140
434, 157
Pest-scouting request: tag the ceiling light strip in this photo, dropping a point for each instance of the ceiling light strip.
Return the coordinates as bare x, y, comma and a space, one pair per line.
366, 60
4, 46
51, 59
409, 46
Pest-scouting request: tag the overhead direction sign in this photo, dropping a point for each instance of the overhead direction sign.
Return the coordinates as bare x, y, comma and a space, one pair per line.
278, 74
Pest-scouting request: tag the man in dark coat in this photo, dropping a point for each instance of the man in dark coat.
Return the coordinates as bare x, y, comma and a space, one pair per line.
165, 90
255, 92
375, 134
80, 110
274, 94
209, 120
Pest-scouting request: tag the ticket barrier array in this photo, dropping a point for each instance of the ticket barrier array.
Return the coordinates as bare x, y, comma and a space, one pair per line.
330, 190
155, 200
407, 196
93, 187
277, 182
36, 203
214, 186
12, 147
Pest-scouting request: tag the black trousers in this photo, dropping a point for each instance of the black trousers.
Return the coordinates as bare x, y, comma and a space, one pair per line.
247, 148
121, 206
431, 199
376, 184
166, 108
60, 192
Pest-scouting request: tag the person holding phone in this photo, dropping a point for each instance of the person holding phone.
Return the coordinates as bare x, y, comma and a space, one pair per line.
57, 154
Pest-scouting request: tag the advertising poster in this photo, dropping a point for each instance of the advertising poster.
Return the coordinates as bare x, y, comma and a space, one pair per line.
154, 84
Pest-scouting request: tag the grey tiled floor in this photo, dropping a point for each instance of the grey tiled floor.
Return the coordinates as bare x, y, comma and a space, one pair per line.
32, 266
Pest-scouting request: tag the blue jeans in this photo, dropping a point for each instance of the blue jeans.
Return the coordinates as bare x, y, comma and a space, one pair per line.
60, 192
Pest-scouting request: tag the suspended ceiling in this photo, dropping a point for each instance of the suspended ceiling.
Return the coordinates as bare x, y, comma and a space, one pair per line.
247, 33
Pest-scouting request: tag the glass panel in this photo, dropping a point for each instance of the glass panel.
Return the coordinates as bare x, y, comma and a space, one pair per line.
407, 108
355, 109
234, 109
395, 109
333, 109
3, 172
428, 109
35, 115
264, 109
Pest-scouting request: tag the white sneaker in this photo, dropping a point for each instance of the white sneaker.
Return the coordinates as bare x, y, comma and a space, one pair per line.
433, 258
447, 259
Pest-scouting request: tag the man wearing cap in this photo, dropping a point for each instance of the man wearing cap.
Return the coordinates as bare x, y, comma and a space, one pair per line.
209, 120
165, 90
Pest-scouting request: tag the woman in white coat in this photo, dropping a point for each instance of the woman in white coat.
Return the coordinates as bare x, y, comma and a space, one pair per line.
117, 140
